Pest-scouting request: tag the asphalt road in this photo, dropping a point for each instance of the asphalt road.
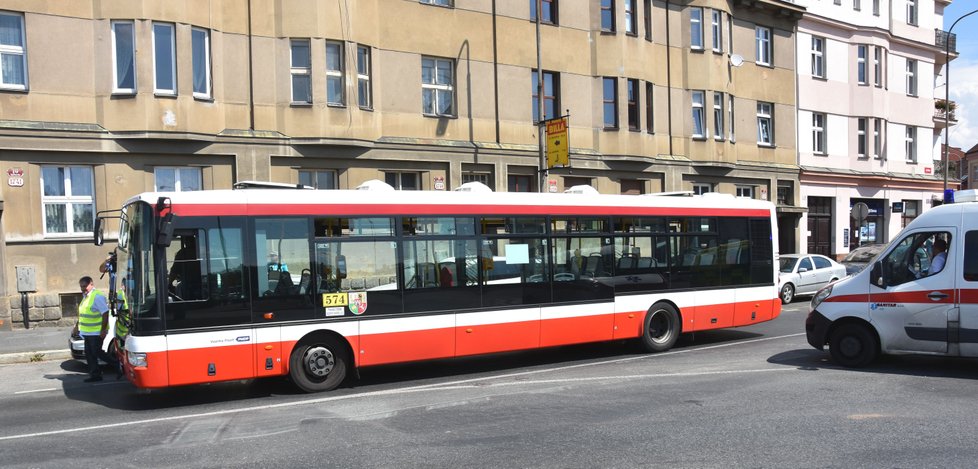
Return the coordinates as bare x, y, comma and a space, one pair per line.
757, 396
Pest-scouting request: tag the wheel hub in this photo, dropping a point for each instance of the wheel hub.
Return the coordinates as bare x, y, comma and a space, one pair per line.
319, 361
659, 327
850, 346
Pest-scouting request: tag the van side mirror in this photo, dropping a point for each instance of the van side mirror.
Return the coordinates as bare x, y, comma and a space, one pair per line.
876, 275
99, 236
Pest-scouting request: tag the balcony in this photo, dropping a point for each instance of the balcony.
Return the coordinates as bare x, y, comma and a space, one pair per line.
944, 109
944, 39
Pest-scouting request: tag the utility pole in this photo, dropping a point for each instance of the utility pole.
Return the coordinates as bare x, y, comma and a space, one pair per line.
540, 110
947, 94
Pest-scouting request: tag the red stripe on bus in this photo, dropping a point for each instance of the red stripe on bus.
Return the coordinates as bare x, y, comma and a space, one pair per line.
450, 209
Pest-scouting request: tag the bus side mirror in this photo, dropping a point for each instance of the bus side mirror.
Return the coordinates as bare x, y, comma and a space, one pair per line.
99, 236
876, 275
165, 234
340, 267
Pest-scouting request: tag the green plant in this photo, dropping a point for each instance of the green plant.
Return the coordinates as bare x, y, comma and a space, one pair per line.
37, 357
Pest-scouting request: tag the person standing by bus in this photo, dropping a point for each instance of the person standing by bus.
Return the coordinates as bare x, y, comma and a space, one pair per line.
93, 325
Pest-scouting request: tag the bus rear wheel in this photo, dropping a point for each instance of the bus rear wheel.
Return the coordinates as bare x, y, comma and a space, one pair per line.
852, 345
661, 328
319, 366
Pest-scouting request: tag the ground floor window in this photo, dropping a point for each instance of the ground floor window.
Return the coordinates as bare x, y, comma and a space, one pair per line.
67, 199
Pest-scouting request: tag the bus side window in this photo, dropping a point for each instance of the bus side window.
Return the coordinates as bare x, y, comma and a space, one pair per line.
184, 279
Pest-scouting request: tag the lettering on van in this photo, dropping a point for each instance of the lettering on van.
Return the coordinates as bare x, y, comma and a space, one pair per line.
882, 305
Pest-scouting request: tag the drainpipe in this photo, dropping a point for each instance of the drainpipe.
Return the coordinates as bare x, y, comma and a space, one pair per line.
668, 79
251, 76
495, 69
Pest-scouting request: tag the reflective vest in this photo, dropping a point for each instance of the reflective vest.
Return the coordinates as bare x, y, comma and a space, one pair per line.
89, 320
120, 327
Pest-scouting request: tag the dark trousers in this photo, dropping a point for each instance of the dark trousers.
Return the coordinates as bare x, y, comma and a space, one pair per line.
94, 352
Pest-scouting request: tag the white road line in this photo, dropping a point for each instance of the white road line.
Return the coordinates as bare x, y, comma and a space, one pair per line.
36, 390
388, 392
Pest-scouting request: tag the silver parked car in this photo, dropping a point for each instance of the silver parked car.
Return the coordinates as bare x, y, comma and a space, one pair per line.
805, 274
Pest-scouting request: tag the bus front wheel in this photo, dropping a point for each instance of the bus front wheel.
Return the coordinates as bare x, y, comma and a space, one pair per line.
319, 366
661, 328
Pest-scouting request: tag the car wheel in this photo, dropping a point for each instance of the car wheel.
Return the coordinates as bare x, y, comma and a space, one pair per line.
317, 367
853, 345
661, 328
787, 293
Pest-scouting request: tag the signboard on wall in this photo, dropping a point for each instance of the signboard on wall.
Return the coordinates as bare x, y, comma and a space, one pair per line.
897, 207
558, 146
552, 185
15, 177
439, 183
845, 237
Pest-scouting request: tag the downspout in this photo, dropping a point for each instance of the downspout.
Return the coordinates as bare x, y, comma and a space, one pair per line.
251, 76
669, 79
495, 70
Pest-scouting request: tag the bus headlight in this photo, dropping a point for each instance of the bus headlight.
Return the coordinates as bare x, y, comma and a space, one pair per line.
821, 296
137, 359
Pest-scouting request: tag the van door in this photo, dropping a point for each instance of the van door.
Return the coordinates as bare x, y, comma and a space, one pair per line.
911, 299
967, 334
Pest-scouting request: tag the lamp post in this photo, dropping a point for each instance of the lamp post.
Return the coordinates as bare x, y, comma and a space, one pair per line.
947, 98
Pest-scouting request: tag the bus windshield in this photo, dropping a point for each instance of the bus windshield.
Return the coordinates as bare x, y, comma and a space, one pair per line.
135, 261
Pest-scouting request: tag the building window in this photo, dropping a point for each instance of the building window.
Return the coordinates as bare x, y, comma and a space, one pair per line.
520, 183
67, 198
911, 141
818, 133
878, 66
911, 208
730, 111
631, 21
763, 48
818, 57
876, 7
631, 187
364, 94
785, 194
480, 177
700, 189
649, 115
610, 102
301, 70
608, 15
177, 179
318, 179
696, 27
634, 120
765, 123
444, 3
877, 137
437, 86
861, 137
403, 181
164, 59
745, 191
647, 10
912, 12
861, 63
124, 57
730, 33
911, 77
717, 29
857, 5
200, 44
699, 122
334, 73
549, 9
551, 95
718, 116
13, 52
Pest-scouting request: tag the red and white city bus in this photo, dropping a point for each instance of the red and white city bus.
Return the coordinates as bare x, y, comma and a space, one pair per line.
257, 282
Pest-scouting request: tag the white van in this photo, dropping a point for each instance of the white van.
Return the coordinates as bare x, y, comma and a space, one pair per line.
905, 300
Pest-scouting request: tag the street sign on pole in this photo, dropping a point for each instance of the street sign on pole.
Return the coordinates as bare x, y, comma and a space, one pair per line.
557, 143
859, 212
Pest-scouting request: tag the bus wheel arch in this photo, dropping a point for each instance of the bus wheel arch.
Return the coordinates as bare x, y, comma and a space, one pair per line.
320, 361
661, 327
853, 342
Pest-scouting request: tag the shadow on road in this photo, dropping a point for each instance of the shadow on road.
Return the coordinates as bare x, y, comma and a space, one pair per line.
909, 365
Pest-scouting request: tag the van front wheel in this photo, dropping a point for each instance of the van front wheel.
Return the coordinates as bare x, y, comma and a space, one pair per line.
853, 345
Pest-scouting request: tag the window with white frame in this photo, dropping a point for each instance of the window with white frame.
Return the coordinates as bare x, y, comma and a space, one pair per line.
861, 50
13, 52
717, 29
301, 70
763, 44
169, 179
745, 191
857, 5
912, 12
818, 133
334, 73
911, 141
200, 40
364, 90
702, 188
878, 66
696, 27
437, 86
124, 57
818, 57
730, 120
67, 196
911, 77
765, 123
478, 176
164, 59
444, 3
631, 21
403, 181
318, 179
861, 137
876, 7
877, 138
699, 122
718, 115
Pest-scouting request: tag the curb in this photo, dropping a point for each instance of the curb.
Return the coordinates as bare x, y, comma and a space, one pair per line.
28, 357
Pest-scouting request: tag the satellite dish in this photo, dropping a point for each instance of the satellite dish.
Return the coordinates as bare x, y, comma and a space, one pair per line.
736, 60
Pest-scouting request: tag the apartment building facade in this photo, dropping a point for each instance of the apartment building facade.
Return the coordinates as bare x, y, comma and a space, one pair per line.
868, 129
103, 100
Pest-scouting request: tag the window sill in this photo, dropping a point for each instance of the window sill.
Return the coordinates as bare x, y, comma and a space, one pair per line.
544, 22
451, 7
366, 108
765, 65
766, 145
336, 105
168, 95
608, 32
635, 129
816, 77
864, 83
14, 89
631, 34
206, 99
299, 104
820, 153
610, 129
698, 50
718, 139
123, 94
698, 138
718, 51
440, 116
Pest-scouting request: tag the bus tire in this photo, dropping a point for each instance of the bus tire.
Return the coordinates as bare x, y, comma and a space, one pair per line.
853, 345
318, 366
661, 328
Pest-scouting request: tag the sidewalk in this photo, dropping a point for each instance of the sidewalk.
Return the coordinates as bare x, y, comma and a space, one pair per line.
48, 343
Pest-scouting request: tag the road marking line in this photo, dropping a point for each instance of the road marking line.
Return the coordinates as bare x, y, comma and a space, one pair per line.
387, 392
36, 390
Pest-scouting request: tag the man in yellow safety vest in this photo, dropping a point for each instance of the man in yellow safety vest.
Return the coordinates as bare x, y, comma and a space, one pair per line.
93, 325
